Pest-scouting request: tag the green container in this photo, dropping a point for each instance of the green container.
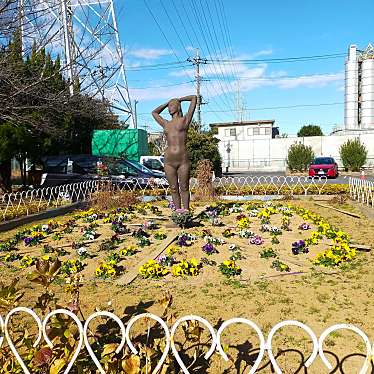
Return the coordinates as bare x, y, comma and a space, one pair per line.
129, 143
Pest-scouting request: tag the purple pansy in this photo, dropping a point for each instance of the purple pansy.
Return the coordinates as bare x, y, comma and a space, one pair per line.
257, 240
208, 248
28, 240
183, 241
299, 247
304, 226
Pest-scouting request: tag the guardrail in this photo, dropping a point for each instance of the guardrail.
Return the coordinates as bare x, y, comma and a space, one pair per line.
362, 191
28, 202
170, 346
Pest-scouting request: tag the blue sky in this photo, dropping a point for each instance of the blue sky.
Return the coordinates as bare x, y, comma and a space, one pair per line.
257, 30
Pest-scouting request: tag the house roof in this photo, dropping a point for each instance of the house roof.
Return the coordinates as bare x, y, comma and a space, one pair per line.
243, 123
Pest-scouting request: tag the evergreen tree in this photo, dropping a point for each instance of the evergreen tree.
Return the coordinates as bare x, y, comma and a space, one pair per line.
202, 145
38, 115
310, 130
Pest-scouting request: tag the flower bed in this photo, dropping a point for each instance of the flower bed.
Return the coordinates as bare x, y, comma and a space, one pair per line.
206, 268
235, 239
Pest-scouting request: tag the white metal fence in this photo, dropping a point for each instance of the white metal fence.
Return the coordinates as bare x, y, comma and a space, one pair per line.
270, 185
216, 342
362, 191
28, 202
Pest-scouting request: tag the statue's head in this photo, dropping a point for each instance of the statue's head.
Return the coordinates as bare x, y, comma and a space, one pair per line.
174, 106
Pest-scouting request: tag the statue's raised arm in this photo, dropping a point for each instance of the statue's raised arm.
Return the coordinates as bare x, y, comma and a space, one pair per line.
191, 109
156, 114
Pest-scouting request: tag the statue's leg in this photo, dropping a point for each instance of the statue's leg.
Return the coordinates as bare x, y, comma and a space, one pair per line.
172, 177
184, 183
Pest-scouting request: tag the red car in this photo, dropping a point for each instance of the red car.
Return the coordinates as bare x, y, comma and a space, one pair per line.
323, 166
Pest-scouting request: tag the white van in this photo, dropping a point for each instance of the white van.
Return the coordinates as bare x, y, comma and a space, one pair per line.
153, 162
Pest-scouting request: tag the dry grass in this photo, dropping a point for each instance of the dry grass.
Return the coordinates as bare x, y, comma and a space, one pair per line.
108, 200
204, 173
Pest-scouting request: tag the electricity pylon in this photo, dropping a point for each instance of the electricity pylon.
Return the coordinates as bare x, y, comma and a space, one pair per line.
84, 33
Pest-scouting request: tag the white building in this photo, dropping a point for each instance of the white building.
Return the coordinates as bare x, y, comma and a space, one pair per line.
359, 89
239, 141
256, 145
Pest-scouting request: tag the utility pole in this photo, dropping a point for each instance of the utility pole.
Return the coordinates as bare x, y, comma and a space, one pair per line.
135, 115
196, 61
146, 127
239, 102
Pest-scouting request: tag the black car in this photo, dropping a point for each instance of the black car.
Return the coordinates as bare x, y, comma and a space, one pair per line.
58, 170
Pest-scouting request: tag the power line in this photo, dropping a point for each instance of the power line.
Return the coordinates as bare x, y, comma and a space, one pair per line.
140, 68
162, 86
279, 60
287, 106
226, 81
165, 37
255, 61
273, 107
183, 25
202, 32
175, 30
226, 34
192, 23
161, 30
171, 64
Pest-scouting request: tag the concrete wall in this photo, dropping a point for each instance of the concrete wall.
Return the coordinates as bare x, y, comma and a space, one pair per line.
271, 154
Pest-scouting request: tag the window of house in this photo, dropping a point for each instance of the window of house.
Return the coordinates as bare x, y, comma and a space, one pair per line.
256, 131
249, 132
267, 130
232, 132
227, 132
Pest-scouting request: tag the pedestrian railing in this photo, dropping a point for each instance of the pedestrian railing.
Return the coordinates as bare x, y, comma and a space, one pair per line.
32, 201
270, 185
171, 347
362, 191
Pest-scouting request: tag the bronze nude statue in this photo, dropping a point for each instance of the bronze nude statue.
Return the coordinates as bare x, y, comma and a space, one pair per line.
177, 163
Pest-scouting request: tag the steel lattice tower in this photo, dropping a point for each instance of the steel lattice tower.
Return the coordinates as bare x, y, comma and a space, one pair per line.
84, 33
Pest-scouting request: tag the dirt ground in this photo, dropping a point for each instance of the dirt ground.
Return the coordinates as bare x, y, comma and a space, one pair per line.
313, 296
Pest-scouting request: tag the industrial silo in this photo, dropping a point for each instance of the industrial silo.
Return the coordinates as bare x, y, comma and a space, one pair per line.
367, 88
351, 89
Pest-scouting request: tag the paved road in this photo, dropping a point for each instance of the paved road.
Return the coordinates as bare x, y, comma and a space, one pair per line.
343, 179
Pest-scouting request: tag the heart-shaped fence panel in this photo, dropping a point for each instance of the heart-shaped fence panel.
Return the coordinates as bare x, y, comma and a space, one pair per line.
344, 326
1, 331
282, 324
80, 328
253, 326
174, 329
9, 339
87, 343
167, 337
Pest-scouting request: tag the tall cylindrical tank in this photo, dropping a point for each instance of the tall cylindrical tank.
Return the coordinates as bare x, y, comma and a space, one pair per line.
351, 89
367, 93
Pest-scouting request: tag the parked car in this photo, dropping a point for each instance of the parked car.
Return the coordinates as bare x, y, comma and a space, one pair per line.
153, 162
67, 169
323, 166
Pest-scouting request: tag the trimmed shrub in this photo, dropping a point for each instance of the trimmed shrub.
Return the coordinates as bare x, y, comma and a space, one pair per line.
299, 157
353, 154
